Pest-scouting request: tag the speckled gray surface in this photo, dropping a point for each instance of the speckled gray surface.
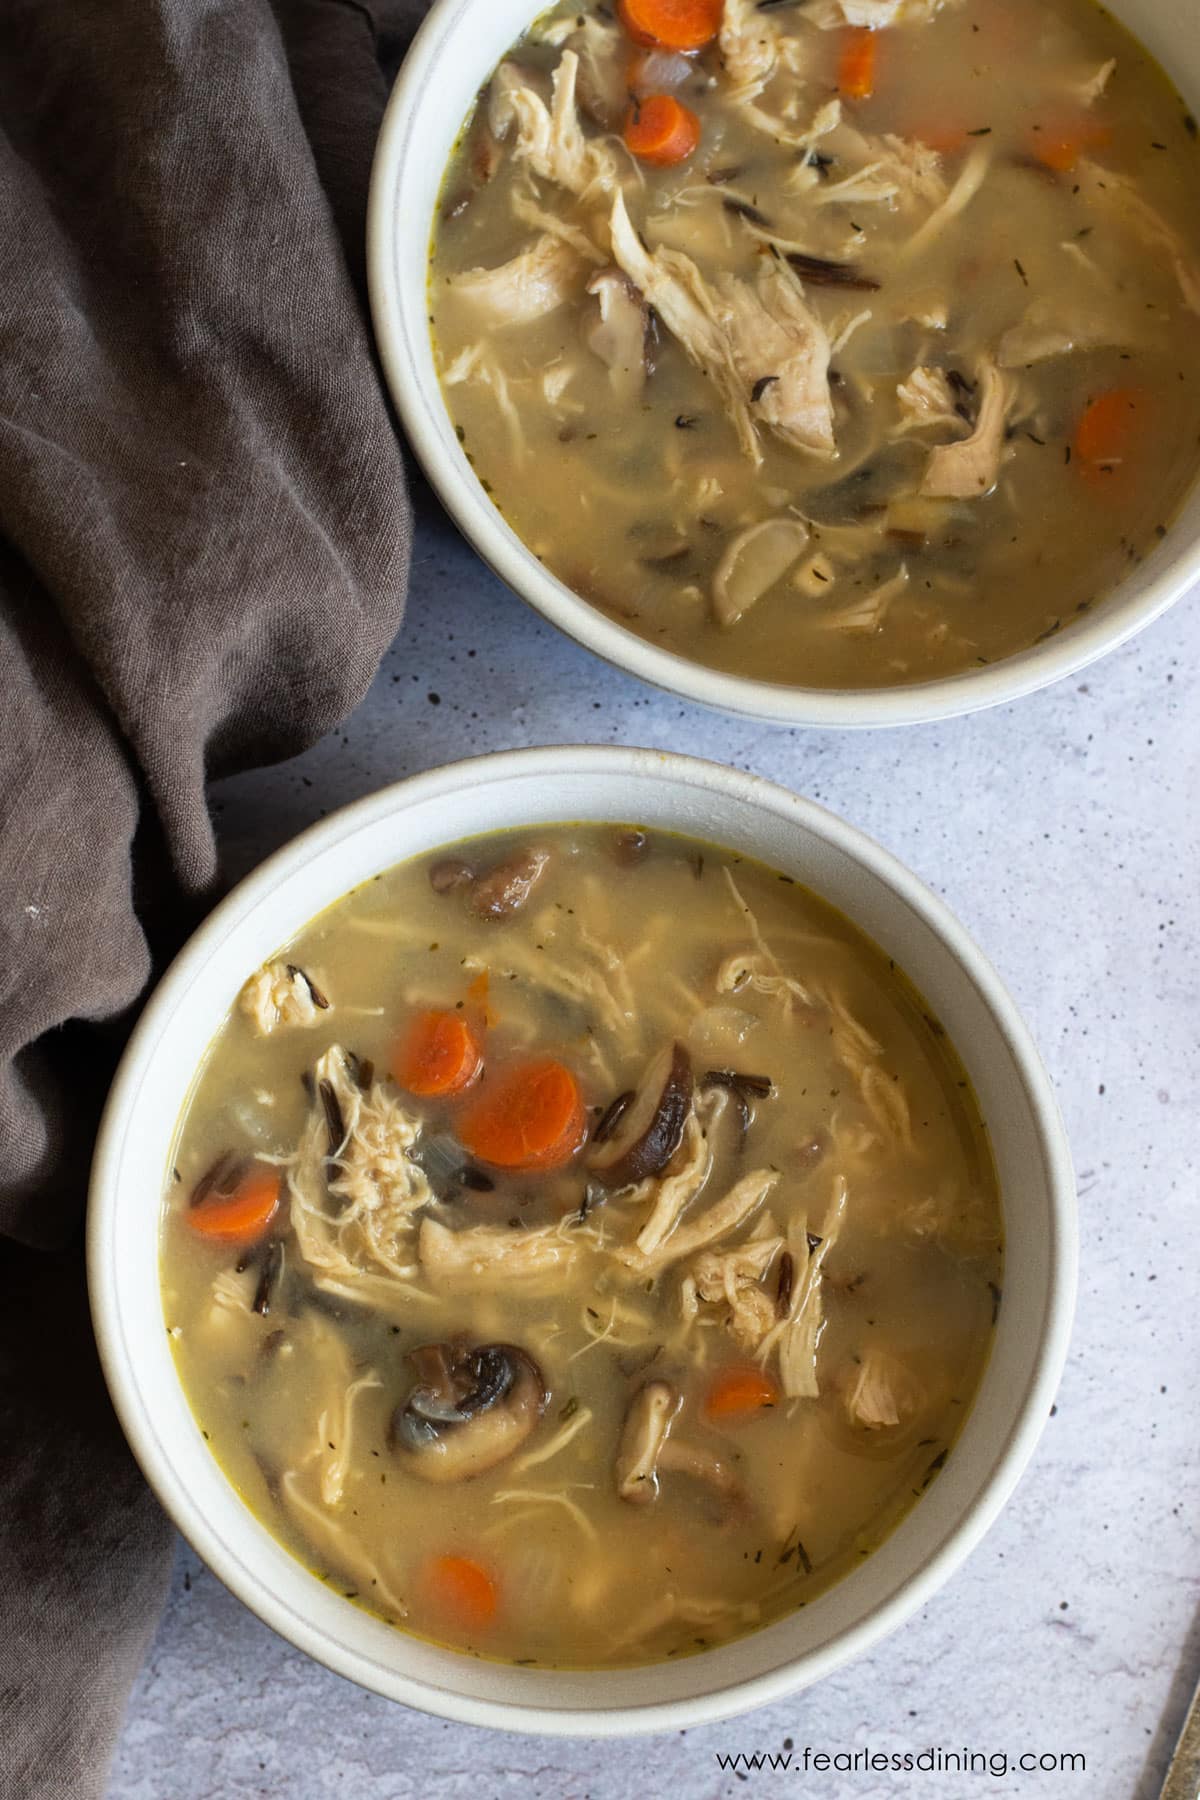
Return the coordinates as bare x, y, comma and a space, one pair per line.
1065, 833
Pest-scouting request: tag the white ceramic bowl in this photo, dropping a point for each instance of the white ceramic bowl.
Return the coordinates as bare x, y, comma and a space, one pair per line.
661, 792
455, 51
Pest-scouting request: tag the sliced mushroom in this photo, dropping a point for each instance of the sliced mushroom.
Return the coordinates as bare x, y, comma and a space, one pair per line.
677, 1458
473, 1406
647, 1450
643, 1436
618, 336
504, 889
450, 872
649, 1130
757, 558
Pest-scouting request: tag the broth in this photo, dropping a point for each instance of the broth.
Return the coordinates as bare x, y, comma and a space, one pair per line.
679, 1365
938, 341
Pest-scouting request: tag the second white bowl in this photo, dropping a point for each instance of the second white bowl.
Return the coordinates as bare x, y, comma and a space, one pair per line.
666, 793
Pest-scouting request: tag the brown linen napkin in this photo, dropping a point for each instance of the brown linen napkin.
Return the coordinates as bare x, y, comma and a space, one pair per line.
204, 544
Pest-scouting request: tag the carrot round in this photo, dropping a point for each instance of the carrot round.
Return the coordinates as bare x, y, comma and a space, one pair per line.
737, 1392
661, 130
439, 1057
242, 1213
947, 139
530, 1118
856, 64
1059, 146
1108, 430
460, 1590
671, 24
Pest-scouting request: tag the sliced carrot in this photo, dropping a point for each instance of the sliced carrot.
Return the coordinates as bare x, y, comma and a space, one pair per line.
440, 1056
856, 64
460, 1590
944, 138
1060, 144
242, 1213
671, 24
1108, 431
737, 1392
477, 999
661, 130
530, 1118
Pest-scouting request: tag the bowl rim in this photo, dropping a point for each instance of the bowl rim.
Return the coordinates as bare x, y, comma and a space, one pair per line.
1110, 624
1007, 1459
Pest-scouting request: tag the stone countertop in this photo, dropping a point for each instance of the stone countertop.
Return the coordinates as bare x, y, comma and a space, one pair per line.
1065, 833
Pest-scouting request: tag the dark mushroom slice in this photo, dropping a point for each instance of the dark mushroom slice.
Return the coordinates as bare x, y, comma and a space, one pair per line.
650, 1128
740, 1089
472, 1407
504, 889
450, 872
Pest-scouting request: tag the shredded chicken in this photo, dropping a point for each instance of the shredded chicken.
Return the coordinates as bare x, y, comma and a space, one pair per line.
480, 363
891, 169
1117, 195
746, 970
537, 281
671, 283
733, 1279
868, 611
340, 1545
1087, 89
971, 178
797, 1336
968, 469
725, 1215
333, 1433
781, 351
482, 1255
883, 1393
539, 218
353, 1203
874, 14
749, 46
281, 995
507, 82
926, 399
551, 141
600, 82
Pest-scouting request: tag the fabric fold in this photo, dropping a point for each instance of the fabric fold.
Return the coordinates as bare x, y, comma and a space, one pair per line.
205, 534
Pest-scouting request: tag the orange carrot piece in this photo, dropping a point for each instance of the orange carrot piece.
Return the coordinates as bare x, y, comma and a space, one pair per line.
478, 1000
945, 139
460, 1590
1107, 432
439, 1057
737, 1392
530, 1118
671, 24
661, 130
1060, 145
856, 64
242, 1214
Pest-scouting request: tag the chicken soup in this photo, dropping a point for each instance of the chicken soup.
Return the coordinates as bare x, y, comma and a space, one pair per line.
582, 1248
828, 342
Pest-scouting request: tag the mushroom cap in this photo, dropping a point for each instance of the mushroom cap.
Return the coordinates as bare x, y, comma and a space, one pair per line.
472, 1406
